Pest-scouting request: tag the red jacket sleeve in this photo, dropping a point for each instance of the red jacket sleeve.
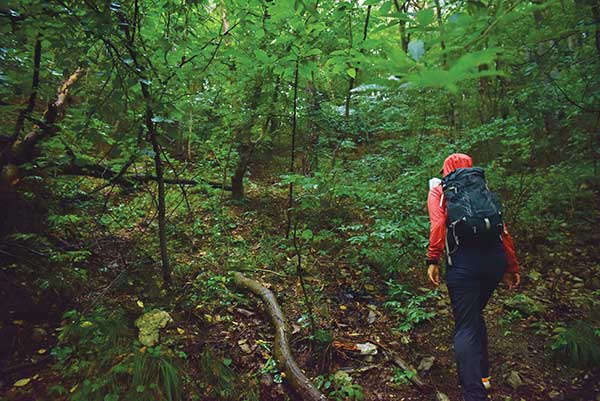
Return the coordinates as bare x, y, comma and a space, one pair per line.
509, 248
436, 207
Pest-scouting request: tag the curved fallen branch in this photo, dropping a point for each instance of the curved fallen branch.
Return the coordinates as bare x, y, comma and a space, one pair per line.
299, 382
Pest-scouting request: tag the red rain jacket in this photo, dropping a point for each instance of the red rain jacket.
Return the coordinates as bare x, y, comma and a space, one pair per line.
436, 206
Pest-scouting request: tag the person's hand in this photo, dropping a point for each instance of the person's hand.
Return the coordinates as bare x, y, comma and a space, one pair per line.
511, 279
433, 271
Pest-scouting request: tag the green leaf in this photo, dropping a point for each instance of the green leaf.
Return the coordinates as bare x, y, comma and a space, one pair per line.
385, 8
306, 234
425, 17
351, 72
313, 52
262, 56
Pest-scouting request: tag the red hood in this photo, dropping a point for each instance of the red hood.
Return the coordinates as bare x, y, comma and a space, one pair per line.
456, 160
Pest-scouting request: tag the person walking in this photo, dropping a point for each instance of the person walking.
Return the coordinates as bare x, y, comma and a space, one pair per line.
466, 225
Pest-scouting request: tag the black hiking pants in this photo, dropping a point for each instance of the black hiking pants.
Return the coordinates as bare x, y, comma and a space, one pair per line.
471, 279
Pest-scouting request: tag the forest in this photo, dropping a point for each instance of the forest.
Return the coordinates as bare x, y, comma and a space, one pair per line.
228, 200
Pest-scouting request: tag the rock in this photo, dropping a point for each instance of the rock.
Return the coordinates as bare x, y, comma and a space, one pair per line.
243, 343
38, 334
149, 324
514, 380
246, 348
441, 397
372, 317
367, 348
426, 364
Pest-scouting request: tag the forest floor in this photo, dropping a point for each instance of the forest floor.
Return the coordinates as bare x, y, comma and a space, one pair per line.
348, 308
354, 313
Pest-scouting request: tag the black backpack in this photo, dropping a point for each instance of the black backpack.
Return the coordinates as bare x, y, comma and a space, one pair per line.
474, 212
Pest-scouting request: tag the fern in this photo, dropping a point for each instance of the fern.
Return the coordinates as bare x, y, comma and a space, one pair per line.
577, 344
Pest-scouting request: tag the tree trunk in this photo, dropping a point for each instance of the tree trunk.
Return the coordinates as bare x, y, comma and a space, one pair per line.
350, 86
37, 58
293, 152
22, 151
153, 137
246, 146
162, 236
404, 37
311, 158
245, 151
596, 15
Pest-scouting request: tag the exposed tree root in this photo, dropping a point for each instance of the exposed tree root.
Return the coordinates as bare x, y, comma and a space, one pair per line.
299, 382
414, 379
402, 364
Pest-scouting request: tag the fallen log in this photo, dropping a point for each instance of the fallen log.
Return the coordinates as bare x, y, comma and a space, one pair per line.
299, 382
105, 173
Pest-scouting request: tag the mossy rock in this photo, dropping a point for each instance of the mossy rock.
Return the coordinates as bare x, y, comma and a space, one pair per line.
149, 324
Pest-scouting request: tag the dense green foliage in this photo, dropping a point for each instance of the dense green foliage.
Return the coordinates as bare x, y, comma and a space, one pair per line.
296, 138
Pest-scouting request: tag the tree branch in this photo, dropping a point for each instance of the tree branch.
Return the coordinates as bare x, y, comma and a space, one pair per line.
37, 57
105, 173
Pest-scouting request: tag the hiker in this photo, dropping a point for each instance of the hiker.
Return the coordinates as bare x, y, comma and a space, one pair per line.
466, 222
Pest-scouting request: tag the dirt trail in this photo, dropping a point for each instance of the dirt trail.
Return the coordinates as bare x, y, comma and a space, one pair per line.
516, 347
